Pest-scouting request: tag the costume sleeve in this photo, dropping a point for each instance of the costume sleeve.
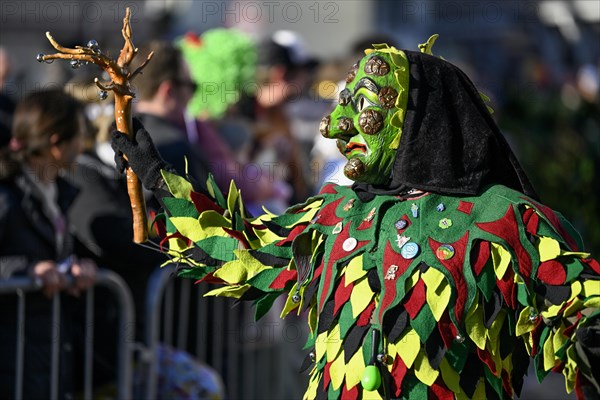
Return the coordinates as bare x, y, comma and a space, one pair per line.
556, 292
214, 240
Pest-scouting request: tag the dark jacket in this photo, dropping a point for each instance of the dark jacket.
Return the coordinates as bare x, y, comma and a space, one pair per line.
27, 236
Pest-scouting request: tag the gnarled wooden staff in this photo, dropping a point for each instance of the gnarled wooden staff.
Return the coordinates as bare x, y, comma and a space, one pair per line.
120, 85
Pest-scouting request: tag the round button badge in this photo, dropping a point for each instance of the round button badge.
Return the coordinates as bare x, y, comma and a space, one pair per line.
349, 244
445, 252
409, 250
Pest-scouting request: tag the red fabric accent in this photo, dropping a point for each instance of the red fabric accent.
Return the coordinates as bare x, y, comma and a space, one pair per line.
318, 271
480, 254
507, 228
293, 234
210, 278
328, 189
465, 206
203, 203
552, 272
342, 295
568, 332
351, 394
336, 253
398, 373
536, 335
531, 221
390, 257
283, 278
439, 391
555, 221
326, 376
365, 225
239, 236
506, 383
447, 330
454, 265
416, 299
486, 357
593, 264
365, 317
327, 214
507, 288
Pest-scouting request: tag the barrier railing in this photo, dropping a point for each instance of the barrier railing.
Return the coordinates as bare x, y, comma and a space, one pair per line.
115, 284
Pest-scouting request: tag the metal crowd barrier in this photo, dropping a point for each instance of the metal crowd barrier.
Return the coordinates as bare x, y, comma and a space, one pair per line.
108, 279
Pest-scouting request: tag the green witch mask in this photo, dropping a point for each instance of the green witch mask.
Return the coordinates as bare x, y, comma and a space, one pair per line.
367, 122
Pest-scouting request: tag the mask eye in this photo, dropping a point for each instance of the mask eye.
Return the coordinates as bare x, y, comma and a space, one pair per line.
362, 103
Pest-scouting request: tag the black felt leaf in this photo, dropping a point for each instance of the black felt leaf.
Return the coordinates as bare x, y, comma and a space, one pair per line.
353, 341
435, 349
394, 323
492, 308
326, 317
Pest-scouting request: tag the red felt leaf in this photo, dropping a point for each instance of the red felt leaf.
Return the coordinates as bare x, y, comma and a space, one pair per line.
439, 391
327, 215
318, 271
552, 272
328, 189
593, 264
210, 278
239, 236
283, 278
390, 257
454, 265
480, 254
293, 234
416, 299
351, 394
365, 317
326, 376
203, 203
342, 295
465, 207
531, 221
447, 330
507, 229
399, 370
507, 287
536, 335
486, 357
555, 221
364, 225
506, 383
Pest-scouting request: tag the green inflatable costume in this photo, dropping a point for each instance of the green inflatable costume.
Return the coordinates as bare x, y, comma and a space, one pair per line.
438, 275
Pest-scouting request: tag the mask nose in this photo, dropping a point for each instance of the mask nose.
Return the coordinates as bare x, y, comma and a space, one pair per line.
332, 127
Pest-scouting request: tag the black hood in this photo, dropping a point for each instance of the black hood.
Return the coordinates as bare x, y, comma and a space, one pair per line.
450, 143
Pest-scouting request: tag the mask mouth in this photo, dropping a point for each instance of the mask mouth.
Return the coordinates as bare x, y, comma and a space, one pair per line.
353, 146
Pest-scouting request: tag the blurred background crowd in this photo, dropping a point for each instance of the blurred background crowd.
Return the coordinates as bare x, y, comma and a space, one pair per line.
239, 88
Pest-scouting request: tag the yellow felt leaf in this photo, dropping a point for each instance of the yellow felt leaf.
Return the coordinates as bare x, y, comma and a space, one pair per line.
552, 311
212, 224
355, 369
480, 391
334, 343
240, 270
289, 303
524, 324
559, 338
424, 371
549, 361
591, 288
266, 236
321, 346
373, 395
354, 270
450, 377
188, 227
493, 334
593, 302
232, 196
575, 254
412, 281
312, 319
474, 325
228, 291
178, 186
501, 259
573, 308
360, 297
548, 248
408, 346
570, 370
313, 384
438, 292
337, 371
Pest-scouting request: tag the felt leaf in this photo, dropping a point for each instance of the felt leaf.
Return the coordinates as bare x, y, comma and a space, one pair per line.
450, 377
438, 292
591, 288
354, 370
548, 248
180, 207
361, 297
240, 270
423, 369
321, 346
396, 141
427, 46
334, 343
266, 236
474, 325
178, 186
232, 197
228, 291
524, 324
501, 259
289, 303
188, 227
592, 302
408, 347
354, 270
337, 371
549, 361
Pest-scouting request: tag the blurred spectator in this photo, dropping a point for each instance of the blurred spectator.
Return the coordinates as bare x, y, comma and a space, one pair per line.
163, 92
35, 239
7, 106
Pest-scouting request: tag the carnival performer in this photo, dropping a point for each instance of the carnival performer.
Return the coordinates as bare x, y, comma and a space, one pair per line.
437, 275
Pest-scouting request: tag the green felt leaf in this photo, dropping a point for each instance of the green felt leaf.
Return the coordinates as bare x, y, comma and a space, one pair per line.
278, 251
486, 281
523, 295
574, 268
219, 248
264, 304
413, 388
457, 356
494, 381
180, 207
215, 192
196, 273
333, 394
424, 323
177, 185
346, 320
264, 278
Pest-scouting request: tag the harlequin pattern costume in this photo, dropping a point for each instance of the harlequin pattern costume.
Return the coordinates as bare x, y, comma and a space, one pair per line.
438, 275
